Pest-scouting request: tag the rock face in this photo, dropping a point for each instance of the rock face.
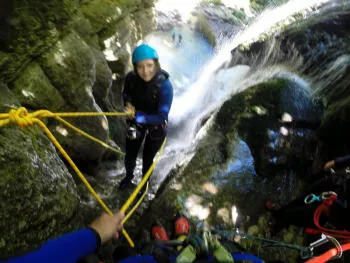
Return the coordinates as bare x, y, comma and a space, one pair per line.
167, 21
59, 56
38, 194
221, 173
218, 22
318, 49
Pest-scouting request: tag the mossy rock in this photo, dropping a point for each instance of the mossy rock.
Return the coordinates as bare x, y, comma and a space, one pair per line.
203, 26
8, 100
83, 27
31, 29
29, 89
38, 194
101, 13
103, 79
71, 67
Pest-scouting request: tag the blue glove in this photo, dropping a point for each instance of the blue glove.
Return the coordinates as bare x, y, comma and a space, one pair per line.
140, 118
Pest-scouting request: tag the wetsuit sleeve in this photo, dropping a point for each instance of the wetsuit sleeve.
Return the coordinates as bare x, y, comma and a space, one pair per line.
67, 248
341, 162
165, 101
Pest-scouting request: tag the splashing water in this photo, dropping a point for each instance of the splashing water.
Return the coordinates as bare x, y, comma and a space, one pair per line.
214, 85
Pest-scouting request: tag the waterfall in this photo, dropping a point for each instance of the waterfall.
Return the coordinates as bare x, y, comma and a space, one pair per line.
199, 99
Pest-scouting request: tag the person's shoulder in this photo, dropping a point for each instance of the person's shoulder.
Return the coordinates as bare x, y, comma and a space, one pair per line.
166, 86
163, 75
130, 74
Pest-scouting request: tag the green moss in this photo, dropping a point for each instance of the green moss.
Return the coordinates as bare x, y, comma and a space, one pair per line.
205, 29
29, 89
37, 192
101, 13
261, 4
216, 2
34, 28
8, 100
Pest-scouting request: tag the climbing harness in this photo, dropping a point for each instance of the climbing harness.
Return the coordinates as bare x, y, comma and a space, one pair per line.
22, 118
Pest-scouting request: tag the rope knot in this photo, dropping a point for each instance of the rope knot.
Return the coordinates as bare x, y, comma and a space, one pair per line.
21, 117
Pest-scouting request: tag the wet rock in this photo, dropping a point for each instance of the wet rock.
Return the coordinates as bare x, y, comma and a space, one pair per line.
8, 99
30, 31
317, 48
167, 21
29, 89
218, 22
58, 61
76, 88
36, 187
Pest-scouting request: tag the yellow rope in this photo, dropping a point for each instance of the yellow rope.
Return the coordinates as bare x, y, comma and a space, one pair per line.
88, 135
22, 118
143, 181
132, 210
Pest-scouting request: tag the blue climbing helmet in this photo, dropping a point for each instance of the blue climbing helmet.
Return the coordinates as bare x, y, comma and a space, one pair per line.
143, 52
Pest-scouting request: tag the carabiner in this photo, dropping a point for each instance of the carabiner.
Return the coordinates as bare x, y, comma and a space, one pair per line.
311, 198
329, 194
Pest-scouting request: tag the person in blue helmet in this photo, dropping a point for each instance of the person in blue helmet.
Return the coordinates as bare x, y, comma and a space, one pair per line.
149, 93
73, 247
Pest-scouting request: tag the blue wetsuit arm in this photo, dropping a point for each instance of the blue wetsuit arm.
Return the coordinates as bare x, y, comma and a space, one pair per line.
67, 248
165, 101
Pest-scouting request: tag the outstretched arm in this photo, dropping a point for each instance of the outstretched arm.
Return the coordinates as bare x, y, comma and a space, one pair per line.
72, 246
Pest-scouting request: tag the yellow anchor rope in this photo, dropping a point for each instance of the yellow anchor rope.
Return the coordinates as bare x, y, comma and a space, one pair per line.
23, 119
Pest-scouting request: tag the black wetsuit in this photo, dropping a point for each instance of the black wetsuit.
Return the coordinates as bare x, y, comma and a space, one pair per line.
153, 99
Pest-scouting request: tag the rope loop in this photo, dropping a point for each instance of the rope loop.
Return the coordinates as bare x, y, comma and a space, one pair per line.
21, 117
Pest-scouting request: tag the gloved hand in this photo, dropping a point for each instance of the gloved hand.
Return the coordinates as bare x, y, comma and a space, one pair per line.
140, 118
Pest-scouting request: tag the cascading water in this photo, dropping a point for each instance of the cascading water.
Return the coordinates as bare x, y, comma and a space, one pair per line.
201, 89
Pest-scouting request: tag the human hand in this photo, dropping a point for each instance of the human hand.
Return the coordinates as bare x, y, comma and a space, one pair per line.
140, 118
108, 226
131, 109
329, 165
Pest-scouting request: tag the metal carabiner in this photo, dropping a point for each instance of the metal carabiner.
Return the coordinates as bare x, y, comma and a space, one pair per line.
312, 198
329, 194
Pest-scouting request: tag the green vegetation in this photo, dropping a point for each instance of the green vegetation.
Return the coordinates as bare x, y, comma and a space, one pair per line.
216, 2
259, 5
205, 29
240, 14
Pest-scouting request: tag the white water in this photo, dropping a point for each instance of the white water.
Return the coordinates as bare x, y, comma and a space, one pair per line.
197, 98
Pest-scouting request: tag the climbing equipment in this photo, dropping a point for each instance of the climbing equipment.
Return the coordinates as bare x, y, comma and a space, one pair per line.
143, 52
181, 226
22, 118
312, 197
159, 233
323, 208
304, 252
333, 253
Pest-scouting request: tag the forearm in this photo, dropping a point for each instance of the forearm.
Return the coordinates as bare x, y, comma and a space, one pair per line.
67, 248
